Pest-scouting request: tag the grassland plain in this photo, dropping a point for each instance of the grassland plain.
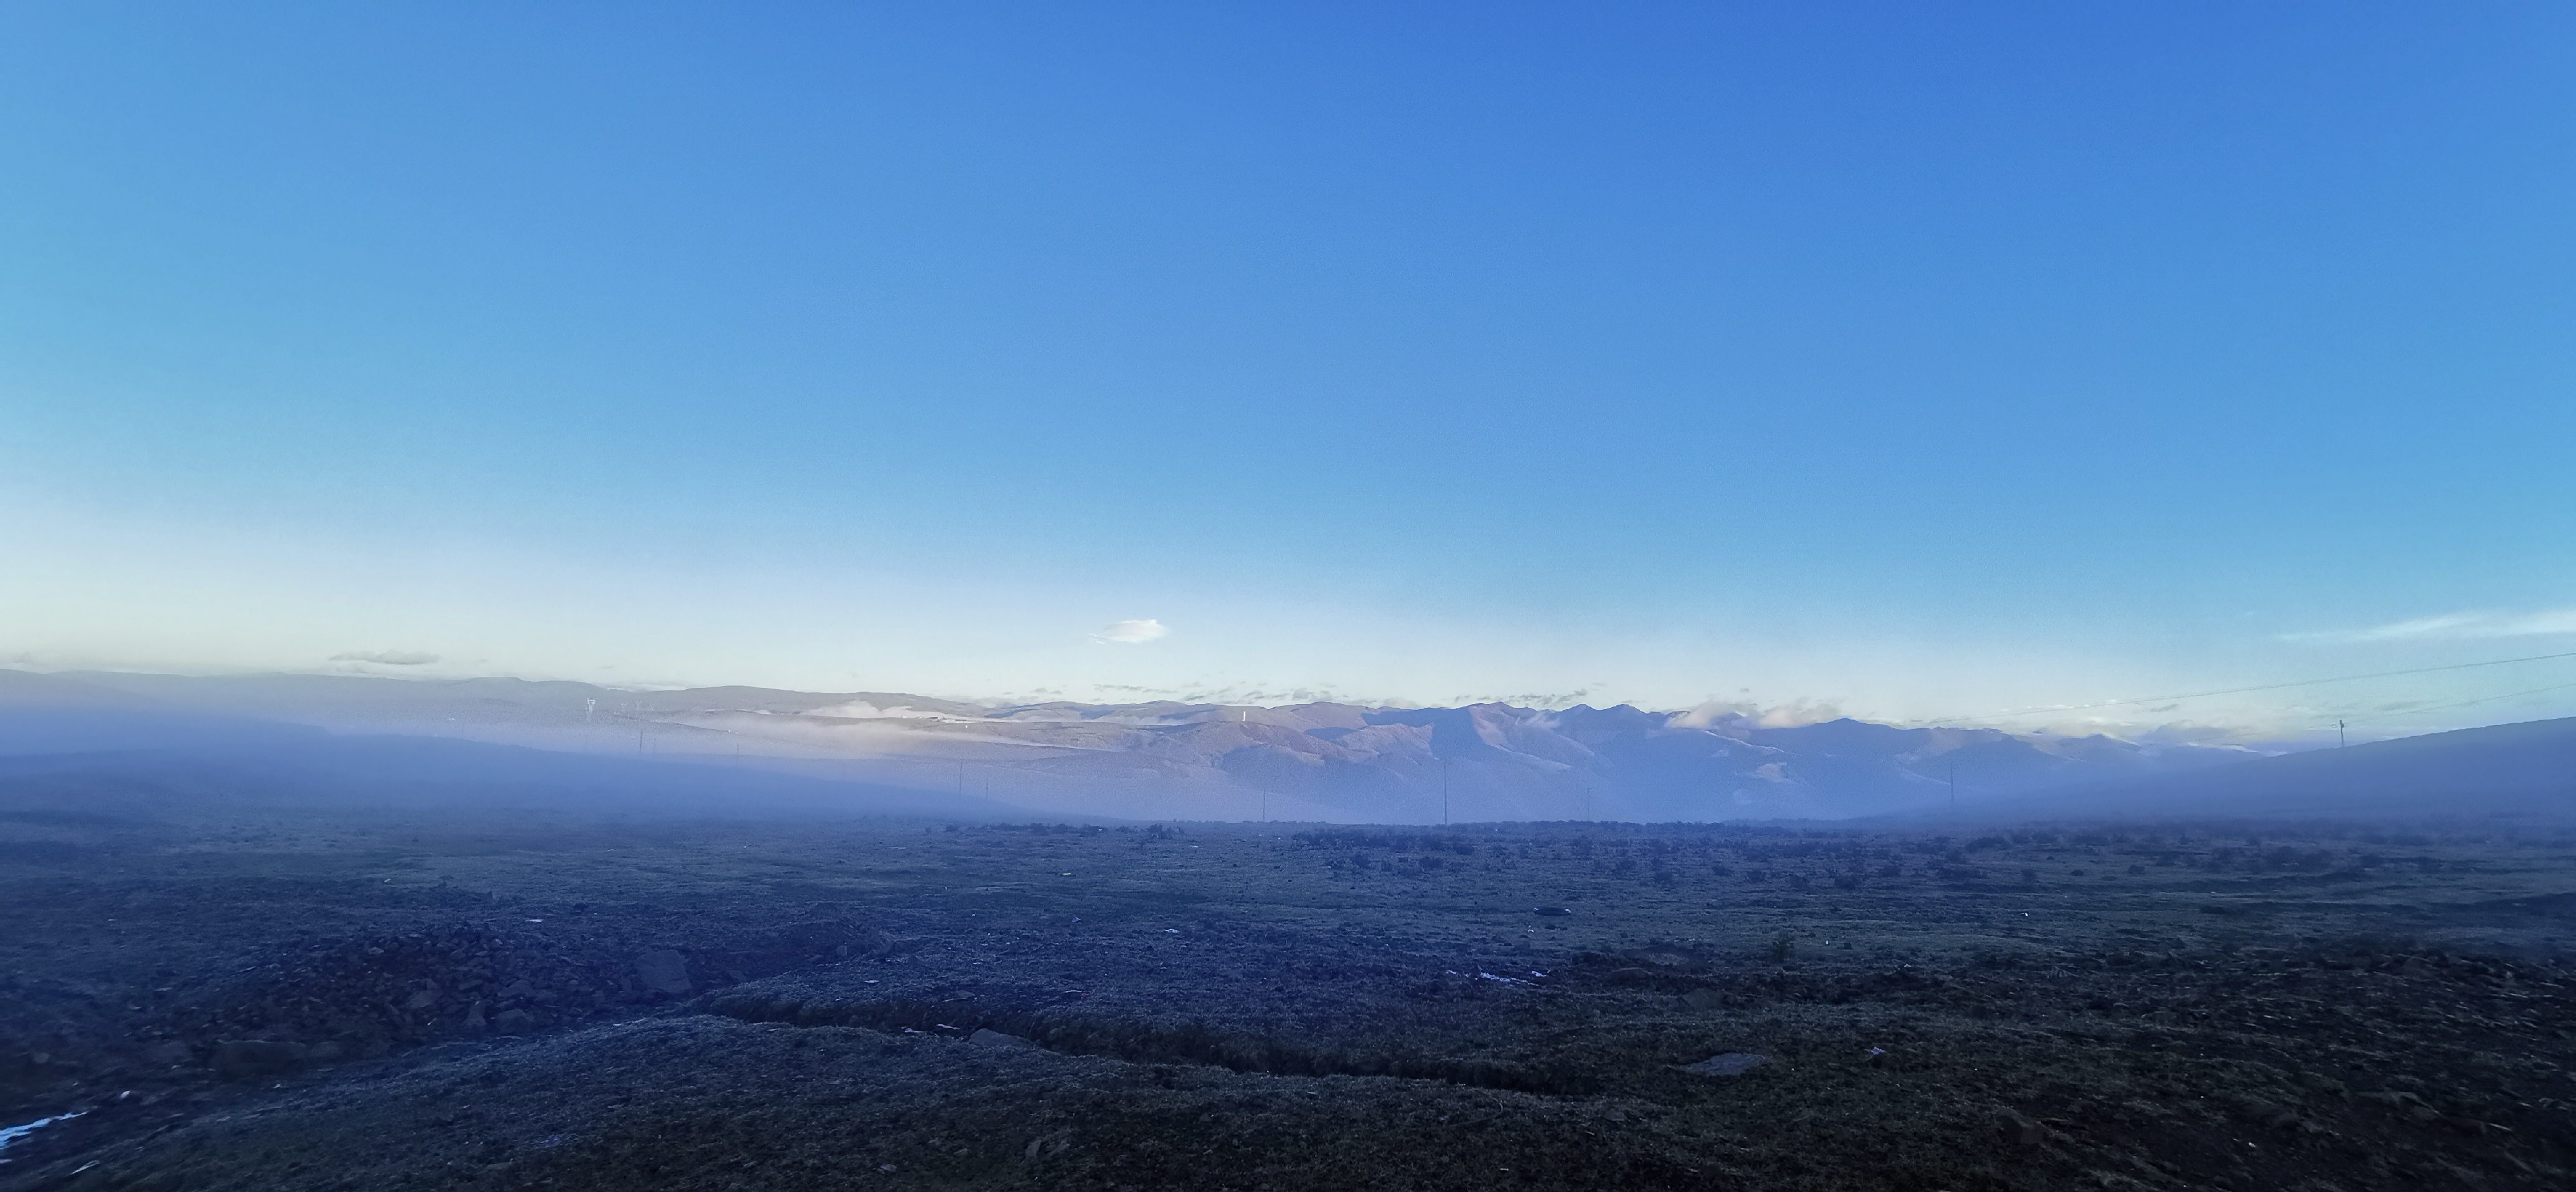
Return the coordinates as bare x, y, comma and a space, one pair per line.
260, 998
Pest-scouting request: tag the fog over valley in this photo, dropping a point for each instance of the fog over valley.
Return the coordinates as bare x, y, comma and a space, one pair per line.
1319, 762
1010, 596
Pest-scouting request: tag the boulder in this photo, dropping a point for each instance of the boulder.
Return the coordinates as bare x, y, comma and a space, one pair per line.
663, 970
1730, 1063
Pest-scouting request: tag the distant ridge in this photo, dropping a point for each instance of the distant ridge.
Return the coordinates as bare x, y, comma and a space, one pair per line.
314, 770
2526, 769
62, 713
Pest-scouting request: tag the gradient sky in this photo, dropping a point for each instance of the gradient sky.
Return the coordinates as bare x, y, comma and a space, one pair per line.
1917, 361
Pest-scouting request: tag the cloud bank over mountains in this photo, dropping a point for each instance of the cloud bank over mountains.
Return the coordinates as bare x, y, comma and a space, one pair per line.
1165, 759
388, 657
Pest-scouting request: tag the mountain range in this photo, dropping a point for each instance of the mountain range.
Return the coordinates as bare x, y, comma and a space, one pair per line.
1313, 761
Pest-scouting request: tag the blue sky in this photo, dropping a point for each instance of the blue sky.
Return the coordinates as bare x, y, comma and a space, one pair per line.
1911, 362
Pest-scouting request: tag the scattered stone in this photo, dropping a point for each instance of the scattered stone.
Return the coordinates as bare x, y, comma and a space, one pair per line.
988, 1037
237, 1059
1703, 999
514, 1021
167, 1052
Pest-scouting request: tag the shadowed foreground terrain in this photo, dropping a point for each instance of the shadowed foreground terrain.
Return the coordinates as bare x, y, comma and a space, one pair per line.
236, 998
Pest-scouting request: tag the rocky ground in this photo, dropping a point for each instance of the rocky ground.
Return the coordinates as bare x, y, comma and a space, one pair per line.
267, 999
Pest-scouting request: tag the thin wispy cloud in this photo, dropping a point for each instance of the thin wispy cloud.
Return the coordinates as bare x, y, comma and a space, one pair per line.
2460, 626
1130, 633
388, 657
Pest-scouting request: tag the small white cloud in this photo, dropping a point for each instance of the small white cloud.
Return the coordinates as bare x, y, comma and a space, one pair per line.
388, 657
2556, 622
1130, 633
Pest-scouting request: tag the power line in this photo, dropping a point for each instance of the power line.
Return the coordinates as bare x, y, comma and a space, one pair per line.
2483, 699
2158, 699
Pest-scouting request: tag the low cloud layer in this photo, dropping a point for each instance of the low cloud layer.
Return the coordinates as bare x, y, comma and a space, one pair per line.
388, 657
1789, 715
863, 710
1130, 633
